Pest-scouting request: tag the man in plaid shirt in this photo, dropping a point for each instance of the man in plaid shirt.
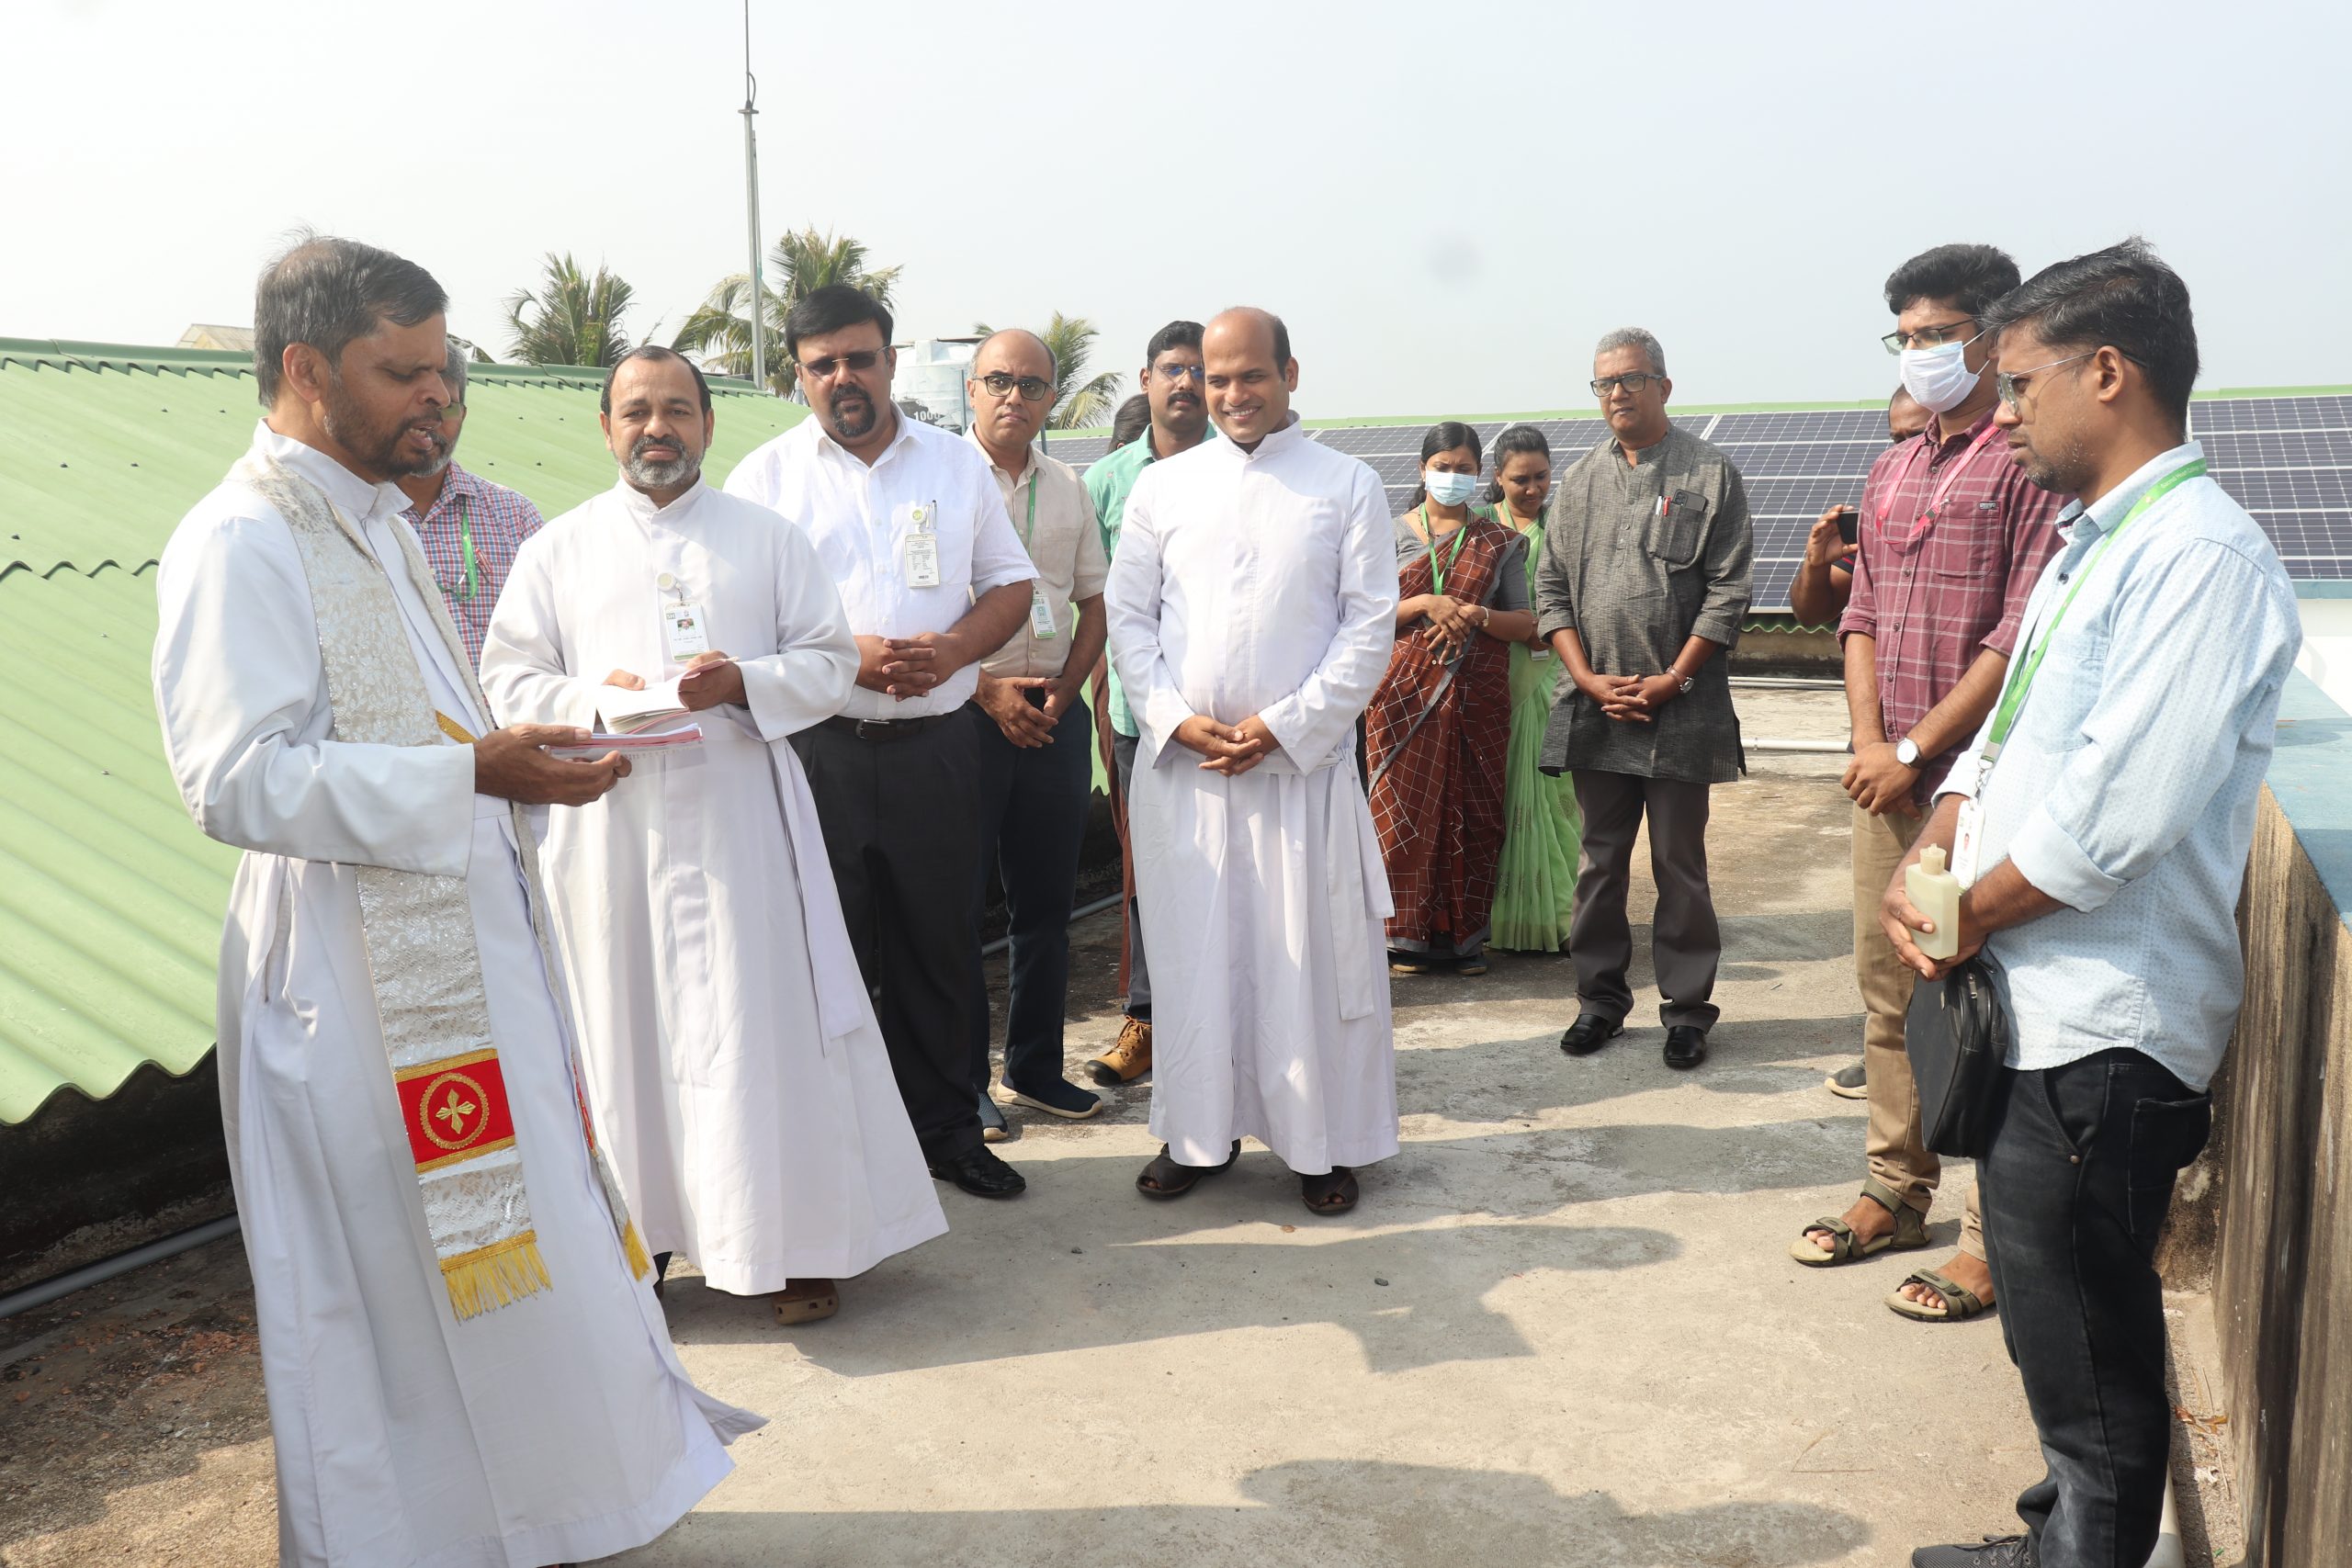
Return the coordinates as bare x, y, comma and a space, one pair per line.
470, 528
1953, 538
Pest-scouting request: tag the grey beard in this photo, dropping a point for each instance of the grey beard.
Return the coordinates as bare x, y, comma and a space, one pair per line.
661, 476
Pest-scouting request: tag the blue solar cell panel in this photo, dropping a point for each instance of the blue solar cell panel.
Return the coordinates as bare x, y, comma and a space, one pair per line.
2268, 414
1806, 424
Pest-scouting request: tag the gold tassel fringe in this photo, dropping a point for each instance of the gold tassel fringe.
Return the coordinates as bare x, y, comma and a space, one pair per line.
633, 1248
495, 1276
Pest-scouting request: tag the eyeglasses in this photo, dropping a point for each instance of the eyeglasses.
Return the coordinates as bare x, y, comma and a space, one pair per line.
1930, 337
1633, 382
1177, 375
1033, 389
2013, 386
823, 369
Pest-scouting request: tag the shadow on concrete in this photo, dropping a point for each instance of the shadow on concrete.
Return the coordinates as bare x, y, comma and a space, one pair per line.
1363, 1513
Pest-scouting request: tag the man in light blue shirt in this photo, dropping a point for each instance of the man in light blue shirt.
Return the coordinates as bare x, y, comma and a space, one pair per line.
2110, 796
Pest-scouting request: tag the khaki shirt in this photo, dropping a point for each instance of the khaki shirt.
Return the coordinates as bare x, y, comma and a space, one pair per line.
1053, 516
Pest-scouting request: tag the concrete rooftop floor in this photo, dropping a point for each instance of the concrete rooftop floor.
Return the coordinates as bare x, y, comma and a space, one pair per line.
1561, 1328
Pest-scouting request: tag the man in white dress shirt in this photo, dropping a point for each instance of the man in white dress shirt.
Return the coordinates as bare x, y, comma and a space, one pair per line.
464, 1364
914, 532
1033, 729
733, 1058
1252, 607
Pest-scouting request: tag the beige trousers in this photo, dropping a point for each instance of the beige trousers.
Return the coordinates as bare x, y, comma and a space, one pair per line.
1898, 1156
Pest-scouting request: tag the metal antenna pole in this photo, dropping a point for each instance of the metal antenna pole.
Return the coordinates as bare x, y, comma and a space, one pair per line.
758, 303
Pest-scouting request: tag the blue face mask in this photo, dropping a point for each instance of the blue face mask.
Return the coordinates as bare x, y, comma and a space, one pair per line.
1450, 490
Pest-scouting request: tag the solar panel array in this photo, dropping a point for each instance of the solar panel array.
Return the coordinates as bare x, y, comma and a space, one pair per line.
2287, 460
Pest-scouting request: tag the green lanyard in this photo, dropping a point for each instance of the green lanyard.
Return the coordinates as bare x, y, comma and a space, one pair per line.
1030, 531
2021, 672
466, 539
1437, 567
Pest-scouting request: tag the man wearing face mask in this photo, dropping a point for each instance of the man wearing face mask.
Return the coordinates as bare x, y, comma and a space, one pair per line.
470, 527
1953, 537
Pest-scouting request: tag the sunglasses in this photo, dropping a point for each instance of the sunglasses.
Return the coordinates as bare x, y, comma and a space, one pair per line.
824, 369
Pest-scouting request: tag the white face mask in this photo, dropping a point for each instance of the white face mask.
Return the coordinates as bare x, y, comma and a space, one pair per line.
1450, 490
1939, 376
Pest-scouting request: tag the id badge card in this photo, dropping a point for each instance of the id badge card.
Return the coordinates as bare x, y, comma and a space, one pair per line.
1967, 843
922, 560
1041, 614
682, 631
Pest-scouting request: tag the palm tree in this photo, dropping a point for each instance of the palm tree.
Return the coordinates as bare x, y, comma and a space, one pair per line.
570, 320
1083, 403
719, 332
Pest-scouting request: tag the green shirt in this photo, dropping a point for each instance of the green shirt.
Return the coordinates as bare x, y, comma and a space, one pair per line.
1109, 479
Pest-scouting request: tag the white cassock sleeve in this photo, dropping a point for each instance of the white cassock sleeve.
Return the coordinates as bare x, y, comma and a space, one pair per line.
523, 671
237, 678
1312, 723
811, 675
1131, 605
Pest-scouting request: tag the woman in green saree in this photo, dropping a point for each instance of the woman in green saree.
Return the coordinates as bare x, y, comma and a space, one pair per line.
1541, 830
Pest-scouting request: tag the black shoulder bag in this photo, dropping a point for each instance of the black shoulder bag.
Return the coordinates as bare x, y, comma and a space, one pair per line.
1956, 1036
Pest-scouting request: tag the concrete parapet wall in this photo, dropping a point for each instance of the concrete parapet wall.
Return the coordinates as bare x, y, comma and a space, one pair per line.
2281, 1160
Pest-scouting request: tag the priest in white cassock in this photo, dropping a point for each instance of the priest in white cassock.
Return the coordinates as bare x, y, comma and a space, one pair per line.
733, 1058
1252, 606
464, 1364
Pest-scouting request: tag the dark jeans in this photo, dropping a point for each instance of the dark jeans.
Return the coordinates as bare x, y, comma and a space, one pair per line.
904, 843
1032, 823
1686, 943
2075, 1182
1138, 1005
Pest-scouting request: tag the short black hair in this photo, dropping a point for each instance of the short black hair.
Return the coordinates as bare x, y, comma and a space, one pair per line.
1282, 341
834, 307
2123, 297
329, 292
1517, 439
656, 351
1971, 277
1175, 334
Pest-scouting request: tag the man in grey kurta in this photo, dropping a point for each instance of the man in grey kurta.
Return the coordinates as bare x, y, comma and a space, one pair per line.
1642, 582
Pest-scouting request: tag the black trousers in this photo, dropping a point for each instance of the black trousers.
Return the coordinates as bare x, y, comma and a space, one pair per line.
1033, 824
2074, 1185
1138, 1002
902, 833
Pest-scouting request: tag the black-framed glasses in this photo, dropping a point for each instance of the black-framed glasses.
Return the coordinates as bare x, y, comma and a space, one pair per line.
1177, 375
823, 369
1930, 337
1033, 389
1633, 381
2012, 387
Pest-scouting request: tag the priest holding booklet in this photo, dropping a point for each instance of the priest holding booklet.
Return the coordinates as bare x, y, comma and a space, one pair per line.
738, 1074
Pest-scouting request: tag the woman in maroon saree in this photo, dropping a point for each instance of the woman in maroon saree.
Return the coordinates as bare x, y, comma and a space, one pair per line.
1438, 732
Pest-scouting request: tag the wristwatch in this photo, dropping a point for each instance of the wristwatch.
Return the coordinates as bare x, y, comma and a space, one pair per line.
1907, 751
1687, 680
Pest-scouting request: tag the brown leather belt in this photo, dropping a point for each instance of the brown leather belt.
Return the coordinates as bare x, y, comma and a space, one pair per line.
877, 730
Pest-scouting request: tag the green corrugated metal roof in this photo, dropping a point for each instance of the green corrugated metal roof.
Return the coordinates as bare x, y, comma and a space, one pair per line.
110, 900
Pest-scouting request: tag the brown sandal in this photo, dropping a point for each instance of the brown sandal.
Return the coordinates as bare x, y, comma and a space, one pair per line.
1167, 1177
1329, 1193
806, 1301
1909, 1233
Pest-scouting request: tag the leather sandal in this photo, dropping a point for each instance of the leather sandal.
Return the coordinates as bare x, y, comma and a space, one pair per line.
1329, 1193
1910, 1231
1167, 1177
1961, 1303
806, 1301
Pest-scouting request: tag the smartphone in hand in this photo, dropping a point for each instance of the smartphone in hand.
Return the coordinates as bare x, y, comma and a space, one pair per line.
1849, 525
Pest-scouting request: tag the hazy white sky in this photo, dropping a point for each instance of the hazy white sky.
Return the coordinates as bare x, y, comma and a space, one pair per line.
1447, 201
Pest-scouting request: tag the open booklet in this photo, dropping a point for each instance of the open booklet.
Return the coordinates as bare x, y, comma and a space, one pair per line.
599, 742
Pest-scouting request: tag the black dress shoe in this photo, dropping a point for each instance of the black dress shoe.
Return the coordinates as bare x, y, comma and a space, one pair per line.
1686, 1047
1588, 1033
980, 1173
1994, 1551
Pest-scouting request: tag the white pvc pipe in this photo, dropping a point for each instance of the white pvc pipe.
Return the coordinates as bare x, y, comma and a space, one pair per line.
1820, 748
2169, 1551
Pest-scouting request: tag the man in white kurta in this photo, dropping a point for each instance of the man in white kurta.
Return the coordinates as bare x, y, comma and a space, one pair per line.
558, 1427
738, 1074
1251, 608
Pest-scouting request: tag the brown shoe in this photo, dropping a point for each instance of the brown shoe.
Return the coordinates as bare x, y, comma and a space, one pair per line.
806, 1301
1128, 1058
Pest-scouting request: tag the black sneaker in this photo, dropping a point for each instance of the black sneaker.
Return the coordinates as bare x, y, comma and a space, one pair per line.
1060, 1098
1994, 1551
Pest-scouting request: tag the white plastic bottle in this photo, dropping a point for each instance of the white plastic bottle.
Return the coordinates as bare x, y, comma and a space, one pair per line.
1935, 893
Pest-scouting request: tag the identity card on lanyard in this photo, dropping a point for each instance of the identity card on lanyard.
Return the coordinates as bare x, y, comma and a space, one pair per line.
1041, 613
922, 544
1967, 845
683, 635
